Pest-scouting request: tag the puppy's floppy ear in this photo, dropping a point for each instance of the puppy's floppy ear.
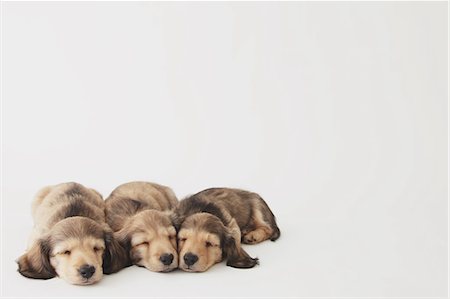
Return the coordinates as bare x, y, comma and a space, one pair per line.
35, 263
236, 256
115, 256
122, 236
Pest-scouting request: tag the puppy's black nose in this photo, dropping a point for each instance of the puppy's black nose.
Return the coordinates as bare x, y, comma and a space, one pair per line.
166, 259
87, 271
190, 259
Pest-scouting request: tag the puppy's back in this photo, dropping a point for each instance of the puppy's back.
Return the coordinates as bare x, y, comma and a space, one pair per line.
130, 198
244, 206
221, 202
55, 203
239, 203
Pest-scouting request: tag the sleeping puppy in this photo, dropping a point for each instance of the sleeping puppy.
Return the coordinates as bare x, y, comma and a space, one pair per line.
70, 238
139, 213
212, 223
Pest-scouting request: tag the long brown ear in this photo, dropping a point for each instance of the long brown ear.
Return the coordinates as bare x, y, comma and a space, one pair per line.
35, 263
115, 256
236, 256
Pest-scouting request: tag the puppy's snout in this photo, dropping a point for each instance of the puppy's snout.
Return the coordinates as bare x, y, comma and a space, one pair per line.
190, 258
166, 259
87, 271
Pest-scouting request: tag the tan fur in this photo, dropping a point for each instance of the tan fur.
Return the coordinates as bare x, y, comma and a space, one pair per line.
202, 243
140, 215
70, 233
260, 232
81, 253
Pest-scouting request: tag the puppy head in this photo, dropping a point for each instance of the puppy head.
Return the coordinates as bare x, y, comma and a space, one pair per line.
77, 249
150, 239
202, 240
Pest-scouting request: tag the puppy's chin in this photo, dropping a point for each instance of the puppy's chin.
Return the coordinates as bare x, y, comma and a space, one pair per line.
193, 268
169, 268
78, 280
188, 269
84, 282
161, 268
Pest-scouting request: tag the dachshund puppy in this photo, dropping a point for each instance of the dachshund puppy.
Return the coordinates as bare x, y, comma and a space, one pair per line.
212, 223
140, 215
70, 238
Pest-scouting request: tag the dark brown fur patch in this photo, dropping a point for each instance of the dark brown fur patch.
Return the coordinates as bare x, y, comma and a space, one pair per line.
193, 205
76, 191
115, 256
79, 208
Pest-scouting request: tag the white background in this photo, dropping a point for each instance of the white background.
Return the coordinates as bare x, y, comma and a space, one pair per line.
336, 113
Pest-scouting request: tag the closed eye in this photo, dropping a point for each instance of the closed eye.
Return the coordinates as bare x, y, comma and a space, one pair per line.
209, 244
97, 249
142, 244
67, 252
182, 239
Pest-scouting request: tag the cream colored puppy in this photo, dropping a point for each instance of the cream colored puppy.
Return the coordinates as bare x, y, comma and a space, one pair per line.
70, 238
140, 215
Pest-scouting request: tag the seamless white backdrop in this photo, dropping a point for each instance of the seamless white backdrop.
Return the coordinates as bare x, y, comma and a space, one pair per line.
336, 113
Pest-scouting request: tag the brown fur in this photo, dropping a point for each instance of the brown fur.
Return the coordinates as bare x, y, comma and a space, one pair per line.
231, 216
140, 215
70, 233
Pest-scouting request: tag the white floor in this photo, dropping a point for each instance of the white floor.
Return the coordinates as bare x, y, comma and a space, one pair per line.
364, 250
336, 113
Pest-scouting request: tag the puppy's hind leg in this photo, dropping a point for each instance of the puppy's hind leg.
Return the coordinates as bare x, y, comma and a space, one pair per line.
276, 232
269, 218
257, 236
264, 226
261, 232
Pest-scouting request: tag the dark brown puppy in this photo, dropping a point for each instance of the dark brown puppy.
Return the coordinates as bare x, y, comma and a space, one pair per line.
212, 223
70, 238
140, 215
